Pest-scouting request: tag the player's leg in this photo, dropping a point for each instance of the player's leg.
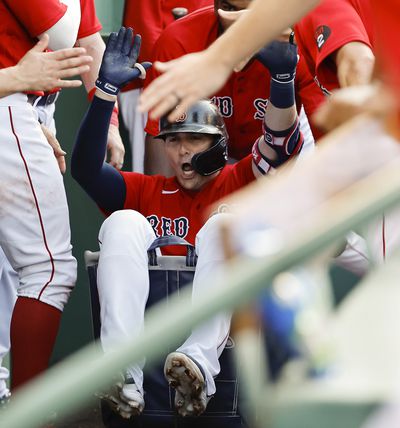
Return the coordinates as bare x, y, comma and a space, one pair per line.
35, 236
192, 368
123, 285
8, 295
135, 123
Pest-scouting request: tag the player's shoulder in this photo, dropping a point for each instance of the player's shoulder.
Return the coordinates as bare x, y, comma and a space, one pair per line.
151, 182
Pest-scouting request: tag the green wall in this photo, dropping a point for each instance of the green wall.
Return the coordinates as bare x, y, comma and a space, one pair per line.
110, 14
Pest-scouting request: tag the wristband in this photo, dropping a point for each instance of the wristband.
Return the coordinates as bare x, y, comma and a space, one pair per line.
106, 87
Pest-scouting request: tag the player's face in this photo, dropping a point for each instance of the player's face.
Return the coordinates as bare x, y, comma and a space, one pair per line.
180, 149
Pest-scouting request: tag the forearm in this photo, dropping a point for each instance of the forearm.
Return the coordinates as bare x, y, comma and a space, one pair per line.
94, 46
10, 82
355, 64
264, 20
103, 183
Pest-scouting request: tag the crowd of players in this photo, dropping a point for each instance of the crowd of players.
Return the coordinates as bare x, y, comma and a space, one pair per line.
260, 109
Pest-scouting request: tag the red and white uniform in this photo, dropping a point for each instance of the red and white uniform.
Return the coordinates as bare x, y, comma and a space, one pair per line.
243, 99
156, 206
34, 223
332, 24
172, 210
148, 18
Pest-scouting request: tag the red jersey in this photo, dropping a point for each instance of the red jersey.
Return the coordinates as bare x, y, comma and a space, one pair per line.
332, 24
387, 19
22, 21
243, 99
149, 18
90, 24
172, 210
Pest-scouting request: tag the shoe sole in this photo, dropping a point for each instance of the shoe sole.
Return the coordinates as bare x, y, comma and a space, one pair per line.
187, 379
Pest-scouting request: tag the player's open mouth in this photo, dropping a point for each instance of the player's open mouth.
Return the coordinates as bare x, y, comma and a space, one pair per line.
187, 169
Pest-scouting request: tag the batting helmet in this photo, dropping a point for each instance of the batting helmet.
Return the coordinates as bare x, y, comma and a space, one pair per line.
204, 118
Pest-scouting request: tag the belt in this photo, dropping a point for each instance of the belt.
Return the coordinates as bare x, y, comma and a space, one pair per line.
45, 100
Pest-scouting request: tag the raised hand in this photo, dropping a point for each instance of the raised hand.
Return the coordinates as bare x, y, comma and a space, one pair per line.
119, 65
280, 58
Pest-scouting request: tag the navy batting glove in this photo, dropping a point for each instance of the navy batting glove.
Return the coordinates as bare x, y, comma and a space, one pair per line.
281, 60
119, 66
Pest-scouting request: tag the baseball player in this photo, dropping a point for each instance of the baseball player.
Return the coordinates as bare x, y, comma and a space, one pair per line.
149, 18
337, 40
35, 227
142, 207
53, 67
241, 101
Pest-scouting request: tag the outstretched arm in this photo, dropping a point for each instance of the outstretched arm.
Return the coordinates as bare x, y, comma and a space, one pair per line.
195, 76
281, 139
102, 182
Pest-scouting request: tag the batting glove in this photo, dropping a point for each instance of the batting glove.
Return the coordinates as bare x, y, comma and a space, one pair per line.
119, 66
281, 60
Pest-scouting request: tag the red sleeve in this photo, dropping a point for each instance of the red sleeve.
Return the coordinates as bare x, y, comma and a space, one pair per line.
134, 183
166, 48
309, 93
329, 26
238, 175
89, 21
37, 16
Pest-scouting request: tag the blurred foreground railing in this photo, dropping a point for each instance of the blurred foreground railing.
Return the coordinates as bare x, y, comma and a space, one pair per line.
69, 385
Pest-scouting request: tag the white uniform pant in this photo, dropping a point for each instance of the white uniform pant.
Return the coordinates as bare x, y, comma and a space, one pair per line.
123, 285
34, 219
135, 123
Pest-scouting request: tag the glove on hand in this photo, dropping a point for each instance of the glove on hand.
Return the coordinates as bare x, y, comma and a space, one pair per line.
281, 60
119, 59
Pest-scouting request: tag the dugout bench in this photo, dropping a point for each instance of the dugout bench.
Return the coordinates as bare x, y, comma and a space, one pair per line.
168, 274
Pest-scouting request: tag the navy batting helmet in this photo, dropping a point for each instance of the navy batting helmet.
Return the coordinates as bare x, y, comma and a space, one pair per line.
204, 118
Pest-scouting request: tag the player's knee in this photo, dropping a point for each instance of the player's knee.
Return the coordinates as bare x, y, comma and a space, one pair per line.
126, 228
123, 220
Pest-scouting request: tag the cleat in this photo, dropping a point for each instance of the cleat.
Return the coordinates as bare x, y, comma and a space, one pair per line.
124, 398
186, 377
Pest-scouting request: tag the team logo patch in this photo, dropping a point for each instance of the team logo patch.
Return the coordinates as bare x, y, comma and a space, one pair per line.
321, 35
182, 118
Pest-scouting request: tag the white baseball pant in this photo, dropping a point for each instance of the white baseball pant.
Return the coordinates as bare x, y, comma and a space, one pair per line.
124, 239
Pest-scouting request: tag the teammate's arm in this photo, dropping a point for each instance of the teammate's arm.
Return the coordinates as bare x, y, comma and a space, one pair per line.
199, 75
42, 71
355, 64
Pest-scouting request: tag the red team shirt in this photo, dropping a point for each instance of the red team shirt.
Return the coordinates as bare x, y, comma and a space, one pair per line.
243, 99
149, 18
172, 210
22, 21
332, 24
